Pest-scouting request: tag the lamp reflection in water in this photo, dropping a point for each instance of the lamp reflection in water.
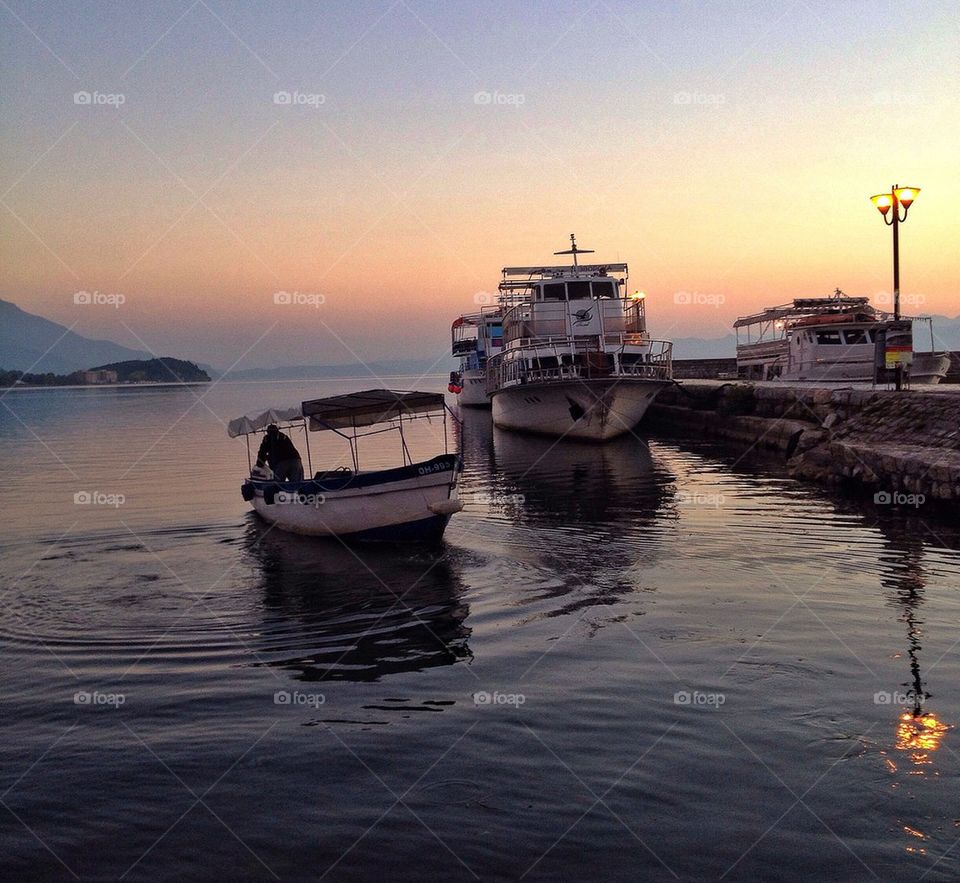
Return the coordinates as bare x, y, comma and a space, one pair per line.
918, 732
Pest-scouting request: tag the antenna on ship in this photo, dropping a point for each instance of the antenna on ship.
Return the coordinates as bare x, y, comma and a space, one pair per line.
574, 250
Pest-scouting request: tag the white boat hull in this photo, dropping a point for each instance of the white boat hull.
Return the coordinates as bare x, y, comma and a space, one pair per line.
929, 367
594, 410
414, 508
474, 392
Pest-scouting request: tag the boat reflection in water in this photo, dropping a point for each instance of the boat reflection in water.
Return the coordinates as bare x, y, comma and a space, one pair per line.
571, 484
584, 516
333, 613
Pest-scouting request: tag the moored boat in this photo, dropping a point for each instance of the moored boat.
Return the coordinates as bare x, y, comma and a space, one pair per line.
833, 339
577, 360
475, 337
411, 502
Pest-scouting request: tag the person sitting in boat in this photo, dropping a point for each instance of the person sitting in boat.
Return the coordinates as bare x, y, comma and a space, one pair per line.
279, 453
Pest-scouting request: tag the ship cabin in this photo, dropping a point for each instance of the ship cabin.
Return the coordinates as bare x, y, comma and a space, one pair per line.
475, 337
573, 322
557, 303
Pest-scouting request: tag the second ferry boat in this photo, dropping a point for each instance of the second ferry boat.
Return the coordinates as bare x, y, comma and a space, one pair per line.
576, 359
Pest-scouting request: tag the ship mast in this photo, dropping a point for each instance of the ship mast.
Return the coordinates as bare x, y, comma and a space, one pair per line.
574, 250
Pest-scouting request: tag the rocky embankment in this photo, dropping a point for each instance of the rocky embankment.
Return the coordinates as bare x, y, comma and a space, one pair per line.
899, 446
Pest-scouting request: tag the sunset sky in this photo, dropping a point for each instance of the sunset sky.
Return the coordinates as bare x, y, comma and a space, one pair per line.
721, 148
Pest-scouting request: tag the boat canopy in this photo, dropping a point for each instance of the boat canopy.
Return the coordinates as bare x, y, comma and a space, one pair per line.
258, 422
369, 407
804, 306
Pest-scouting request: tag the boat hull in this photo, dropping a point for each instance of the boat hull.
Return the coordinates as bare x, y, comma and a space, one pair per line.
929, 367
474, 393
411, 504
593, 410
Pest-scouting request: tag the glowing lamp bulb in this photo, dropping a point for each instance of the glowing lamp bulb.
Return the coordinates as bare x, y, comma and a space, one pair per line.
907, 195
639, 295
883, 202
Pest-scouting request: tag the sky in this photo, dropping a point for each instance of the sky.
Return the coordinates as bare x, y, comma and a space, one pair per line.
263, 184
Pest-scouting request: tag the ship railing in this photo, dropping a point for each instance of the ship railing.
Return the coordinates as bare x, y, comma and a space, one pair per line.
554, 318
571, 359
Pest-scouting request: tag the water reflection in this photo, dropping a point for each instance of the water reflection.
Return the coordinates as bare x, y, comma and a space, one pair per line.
336, 613
565, 483
584, 518
919, 732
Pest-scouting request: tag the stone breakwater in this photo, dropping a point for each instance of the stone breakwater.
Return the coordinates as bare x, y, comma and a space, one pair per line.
903, 447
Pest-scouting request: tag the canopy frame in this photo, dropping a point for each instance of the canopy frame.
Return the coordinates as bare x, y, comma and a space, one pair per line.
352, 417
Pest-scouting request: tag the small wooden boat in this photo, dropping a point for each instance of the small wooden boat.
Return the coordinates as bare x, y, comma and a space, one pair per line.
412, 502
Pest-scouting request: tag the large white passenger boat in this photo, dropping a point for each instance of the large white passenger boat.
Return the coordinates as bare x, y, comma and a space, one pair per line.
833, 339
476, 337
577, 360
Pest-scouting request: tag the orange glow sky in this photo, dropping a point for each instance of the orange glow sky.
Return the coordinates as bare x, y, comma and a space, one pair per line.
726, 149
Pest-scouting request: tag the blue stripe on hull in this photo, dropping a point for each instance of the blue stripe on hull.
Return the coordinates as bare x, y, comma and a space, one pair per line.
426, 530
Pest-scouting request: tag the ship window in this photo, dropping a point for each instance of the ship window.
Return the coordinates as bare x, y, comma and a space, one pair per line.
603, 289
855, 335
553, 291
872, 335
828, 337
578, 290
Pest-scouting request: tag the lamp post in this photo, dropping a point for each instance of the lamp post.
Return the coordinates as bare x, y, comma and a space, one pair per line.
889, 204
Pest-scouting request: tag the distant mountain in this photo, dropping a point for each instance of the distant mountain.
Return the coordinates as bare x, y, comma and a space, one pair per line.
165, 370
26, 338
382, 368
701, 348
946, 334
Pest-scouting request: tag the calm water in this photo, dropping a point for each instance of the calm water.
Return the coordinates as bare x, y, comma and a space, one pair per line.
625, 662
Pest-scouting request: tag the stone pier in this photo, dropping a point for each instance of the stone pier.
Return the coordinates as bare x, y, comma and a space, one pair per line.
879, 440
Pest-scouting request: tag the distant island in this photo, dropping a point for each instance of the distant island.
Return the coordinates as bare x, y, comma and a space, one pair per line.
163, 370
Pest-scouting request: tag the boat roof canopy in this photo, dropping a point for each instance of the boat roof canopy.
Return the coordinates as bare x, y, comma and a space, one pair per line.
369, 407
804, 306
566, 270
258, 422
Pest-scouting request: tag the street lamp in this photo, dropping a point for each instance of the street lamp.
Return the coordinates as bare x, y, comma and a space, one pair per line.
889, 205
